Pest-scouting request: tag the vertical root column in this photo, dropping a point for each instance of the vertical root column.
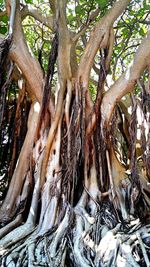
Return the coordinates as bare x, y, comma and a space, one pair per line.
52, 186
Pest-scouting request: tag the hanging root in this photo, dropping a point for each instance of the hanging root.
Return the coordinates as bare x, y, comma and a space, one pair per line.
4, 51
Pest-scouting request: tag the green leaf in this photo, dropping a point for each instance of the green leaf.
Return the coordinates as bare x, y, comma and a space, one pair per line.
4, 18
142, 31
102, 3
29, 1
147, 7
3, 30
125, 32
79, 10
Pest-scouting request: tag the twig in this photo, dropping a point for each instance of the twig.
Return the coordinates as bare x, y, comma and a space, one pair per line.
84, 27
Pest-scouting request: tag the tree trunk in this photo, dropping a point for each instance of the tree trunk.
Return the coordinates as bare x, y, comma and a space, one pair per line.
70, 201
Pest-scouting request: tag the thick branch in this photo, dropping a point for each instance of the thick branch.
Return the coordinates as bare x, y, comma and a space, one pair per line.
9, 205
99, 39
19, 53
12, 16
61, 17
64, 71
127, 81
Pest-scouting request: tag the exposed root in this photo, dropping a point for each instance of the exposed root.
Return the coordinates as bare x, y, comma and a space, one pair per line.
85, 241
60, 233
15, 236
143, 250
9, 227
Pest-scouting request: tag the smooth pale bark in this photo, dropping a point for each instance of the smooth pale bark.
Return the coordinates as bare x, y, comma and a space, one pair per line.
99, 39
25, 60
124, 84
64, 71
10, 202
50, 202
127, 81
49, 169
9, 227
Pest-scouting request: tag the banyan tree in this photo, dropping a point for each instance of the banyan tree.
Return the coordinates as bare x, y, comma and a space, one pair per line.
75, 133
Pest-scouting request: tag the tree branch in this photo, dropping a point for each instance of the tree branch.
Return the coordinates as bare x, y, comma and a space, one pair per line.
53, 5
28, 10
99, 39
61, 17
64, 71
147, 22
127, 81
84, 27
19, 53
